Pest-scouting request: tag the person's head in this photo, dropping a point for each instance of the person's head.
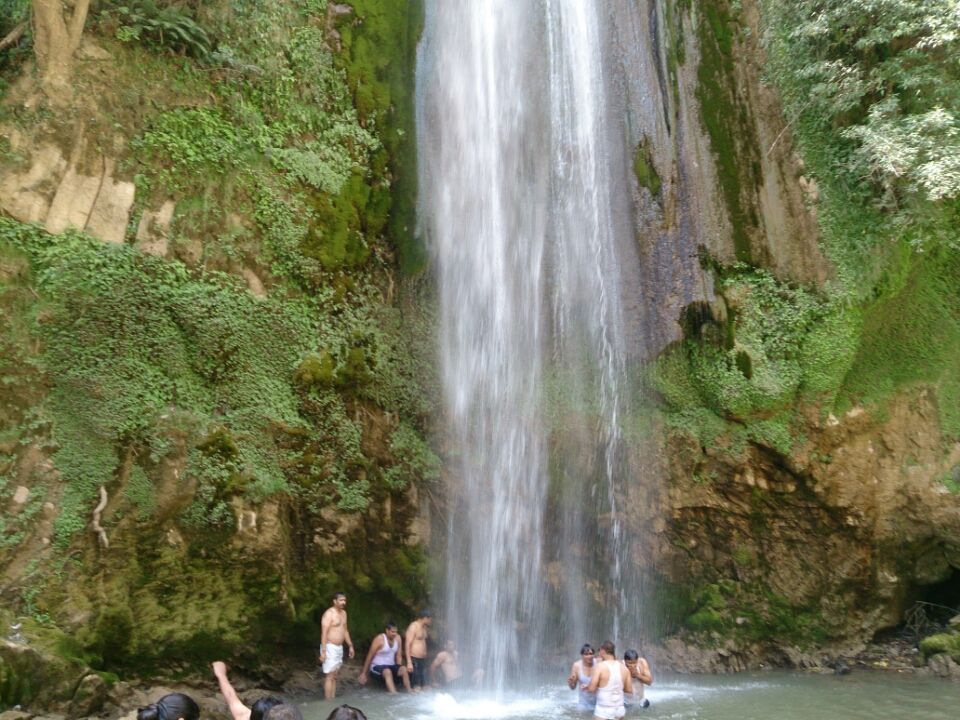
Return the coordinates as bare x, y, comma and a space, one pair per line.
608, 650
259, 709
451, 646
390, 630
339, 600
425, 616
283, 711
345, 712
586, 654
175, 706
630, 658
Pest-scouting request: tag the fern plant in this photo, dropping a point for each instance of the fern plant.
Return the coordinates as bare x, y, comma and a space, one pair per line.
168, 27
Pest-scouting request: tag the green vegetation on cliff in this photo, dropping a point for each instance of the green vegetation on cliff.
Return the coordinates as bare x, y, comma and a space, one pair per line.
249, 394
870, 93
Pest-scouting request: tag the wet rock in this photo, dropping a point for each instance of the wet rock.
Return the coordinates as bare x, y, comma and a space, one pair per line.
15, 715
21, 666
21, 495
303, 682
153, 230
89, 698
942, 665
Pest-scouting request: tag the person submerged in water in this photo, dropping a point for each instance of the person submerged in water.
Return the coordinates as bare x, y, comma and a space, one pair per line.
580, 673
610, 681
346, 712
385, 659
447, 663
237, 709
174, 706
640, 675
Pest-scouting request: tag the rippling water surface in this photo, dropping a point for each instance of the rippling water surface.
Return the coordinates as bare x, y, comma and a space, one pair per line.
772, 696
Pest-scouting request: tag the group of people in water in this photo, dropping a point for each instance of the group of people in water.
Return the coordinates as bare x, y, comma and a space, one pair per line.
605, 687
386, 660
609, 686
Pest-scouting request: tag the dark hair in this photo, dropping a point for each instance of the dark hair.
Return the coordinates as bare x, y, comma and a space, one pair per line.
283, 711
425, 613
260, 708
587, 647
345, 712
391, 625
171, 707
339, 594
631, 655
609, 648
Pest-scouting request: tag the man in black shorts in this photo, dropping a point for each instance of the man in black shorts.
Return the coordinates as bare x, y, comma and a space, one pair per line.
385, 660
416, 638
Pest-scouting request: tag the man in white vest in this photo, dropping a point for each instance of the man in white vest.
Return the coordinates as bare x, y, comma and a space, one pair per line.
385, 660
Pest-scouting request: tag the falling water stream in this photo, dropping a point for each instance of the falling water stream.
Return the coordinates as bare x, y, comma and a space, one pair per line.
516, 205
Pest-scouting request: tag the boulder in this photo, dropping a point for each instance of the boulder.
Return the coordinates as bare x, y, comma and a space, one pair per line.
35, 678
89, 698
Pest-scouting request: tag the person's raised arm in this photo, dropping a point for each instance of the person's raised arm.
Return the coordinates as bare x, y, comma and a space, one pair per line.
374, 647
643, 672
572, 679
595, 677
238, 710
627, 680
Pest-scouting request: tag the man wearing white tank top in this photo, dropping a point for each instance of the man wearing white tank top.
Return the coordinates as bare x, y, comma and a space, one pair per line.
610, 680
385, 660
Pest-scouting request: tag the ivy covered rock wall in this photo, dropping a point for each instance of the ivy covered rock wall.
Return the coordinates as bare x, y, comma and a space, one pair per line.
809, 408
215, 351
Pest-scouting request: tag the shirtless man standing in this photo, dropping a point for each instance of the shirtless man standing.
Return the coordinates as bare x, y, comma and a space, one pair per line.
333, 634
416, 637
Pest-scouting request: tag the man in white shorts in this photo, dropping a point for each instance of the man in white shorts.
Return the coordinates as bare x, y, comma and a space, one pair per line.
610, 680
333, 635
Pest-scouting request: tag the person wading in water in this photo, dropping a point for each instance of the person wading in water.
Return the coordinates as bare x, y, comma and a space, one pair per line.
610, 680
416, 638
333, 635
385, 659
580, 673
640, 675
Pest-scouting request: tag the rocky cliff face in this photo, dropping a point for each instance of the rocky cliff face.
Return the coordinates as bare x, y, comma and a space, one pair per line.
807, 492
213, 407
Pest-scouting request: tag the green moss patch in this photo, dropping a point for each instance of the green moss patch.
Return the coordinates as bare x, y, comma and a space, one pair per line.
727, 122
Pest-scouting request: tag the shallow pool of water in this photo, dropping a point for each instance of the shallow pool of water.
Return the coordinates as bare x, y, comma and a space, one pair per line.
770, 696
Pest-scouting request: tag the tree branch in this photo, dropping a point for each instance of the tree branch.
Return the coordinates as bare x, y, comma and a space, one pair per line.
13, 37
77, 21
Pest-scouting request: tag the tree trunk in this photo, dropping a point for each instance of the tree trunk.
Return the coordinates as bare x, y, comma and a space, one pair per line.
56, 40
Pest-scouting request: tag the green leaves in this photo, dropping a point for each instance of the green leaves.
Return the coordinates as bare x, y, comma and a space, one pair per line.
168, 27
882, 75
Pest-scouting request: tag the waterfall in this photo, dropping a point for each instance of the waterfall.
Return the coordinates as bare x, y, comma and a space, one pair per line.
516, 204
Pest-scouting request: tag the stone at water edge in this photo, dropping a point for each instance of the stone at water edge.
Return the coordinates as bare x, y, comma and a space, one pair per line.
89, 698
942, 665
